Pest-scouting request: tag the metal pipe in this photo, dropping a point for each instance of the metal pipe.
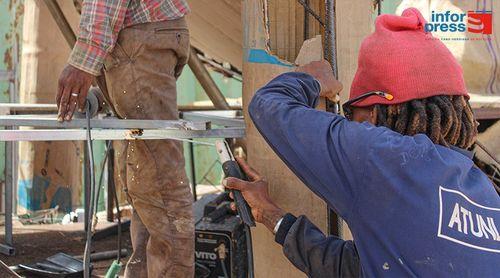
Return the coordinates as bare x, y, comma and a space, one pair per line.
119, 134
330, 44
311, 12
105, 255
193, 170
334, 221
111, 182
61, 21
25, 108
7, 248
306, 21
114, 123
203, 76
218, 67
86, 187
9, 184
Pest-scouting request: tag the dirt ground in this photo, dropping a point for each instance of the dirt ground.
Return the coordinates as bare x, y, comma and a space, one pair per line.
34, 243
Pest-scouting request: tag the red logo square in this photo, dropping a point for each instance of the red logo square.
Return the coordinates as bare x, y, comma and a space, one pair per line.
480, 22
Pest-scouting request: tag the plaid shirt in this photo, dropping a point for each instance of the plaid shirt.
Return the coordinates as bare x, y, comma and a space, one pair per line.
102, 20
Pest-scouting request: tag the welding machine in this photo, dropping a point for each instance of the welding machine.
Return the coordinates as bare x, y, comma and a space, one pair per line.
220, 243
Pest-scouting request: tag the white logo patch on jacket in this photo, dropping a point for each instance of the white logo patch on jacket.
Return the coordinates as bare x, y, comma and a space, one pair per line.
468, 223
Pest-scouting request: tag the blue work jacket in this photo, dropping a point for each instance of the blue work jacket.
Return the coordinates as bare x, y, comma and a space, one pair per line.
415, 209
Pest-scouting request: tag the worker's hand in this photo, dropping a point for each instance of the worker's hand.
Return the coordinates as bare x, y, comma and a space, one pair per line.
322, 71
264, 210
72, 91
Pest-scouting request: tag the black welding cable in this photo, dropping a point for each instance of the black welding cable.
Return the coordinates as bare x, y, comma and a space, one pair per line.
90, 213
114, 195
248, 237
119, 219
224, 270
101, 177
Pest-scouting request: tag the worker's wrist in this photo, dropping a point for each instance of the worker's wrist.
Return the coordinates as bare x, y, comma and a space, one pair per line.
271, 216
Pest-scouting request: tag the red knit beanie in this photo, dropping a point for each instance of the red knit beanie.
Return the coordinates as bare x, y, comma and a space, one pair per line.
401, 59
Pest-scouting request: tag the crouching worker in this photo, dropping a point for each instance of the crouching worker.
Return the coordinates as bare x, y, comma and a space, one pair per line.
396, 168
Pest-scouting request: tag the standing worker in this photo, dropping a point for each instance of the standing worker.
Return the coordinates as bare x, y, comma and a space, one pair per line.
396, 168
141, 47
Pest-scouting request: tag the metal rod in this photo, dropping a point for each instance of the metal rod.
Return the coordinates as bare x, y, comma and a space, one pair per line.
86, 186
117, 134
7, 248
214, 119
330, 48
330, 41
306, 20
61, 21
227, 72
48, 108
105, 255
111, 182
203, 76
334, 221
51, 121
311, 12
193, 170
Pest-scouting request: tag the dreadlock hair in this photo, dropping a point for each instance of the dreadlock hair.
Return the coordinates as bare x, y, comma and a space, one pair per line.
446, 120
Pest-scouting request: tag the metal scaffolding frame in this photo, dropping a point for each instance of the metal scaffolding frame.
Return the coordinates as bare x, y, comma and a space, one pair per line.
194, 125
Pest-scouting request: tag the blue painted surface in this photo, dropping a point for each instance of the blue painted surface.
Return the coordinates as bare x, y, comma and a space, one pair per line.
262, 57
62, 198
31, 193
10, 33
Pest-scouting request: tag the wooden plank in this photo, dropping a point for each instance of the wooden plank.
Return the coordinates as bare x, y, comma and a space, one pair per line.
284, 187
215, 28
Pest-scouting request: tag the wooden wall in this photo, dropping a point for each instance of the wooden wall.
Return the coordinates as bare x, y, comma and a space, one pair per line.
276, 26
285, 21
284, 186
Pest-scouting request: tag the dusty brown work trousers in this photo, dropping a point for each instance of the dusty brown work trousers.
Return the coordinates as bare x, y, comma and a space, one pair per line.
141, 75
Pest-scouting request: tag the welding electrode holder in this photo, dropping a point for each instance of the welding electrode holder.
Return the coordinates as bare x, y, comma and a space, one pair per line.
232, 169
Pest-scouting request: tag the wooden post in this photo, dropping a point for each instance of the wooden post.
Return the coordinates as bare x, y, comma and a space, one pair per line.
286, 189
49, 172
